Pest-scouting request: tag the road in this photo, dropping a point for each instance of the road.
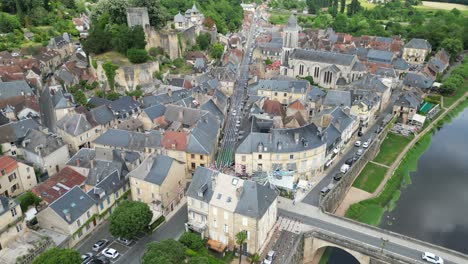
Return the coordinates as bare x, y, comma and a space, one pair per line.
397, 244
171, 229
228, 143
313, 196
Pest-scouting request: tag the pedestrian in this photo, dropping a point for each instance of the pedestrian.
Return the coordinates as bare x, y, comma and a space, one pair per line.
294, 201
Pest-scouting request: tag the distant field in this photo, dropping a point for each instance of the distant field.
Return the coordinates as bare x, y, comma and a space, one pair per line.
446, 6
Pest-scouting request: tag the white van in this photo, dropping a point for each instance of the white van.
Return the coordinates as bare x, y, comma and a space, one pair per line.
344, 168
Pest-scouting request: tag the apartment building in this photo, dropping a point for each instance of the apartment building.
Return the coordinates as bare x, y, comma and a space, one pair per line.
11, 220
16, 177
220, 206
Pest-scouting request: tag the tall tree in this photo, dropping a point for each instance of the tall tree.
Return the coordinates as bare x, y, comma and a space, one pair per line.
342, 5
158, 15
129, 219
58, 256
168, 251
241, 237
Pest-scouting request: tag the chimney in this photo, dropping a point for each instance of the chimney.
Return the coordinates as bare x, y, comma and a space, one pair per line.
92, 164
296, 137
169, 92
78, 161
181, 115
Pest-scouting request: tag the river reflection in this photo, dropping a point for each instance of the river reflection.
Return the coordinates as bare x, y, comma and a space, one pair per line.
434, 208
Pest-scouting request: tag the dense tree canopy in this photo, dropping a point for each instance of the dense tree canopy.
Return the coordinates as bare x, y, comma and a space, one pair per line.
192, 241
167, 251
58, 256
129, 218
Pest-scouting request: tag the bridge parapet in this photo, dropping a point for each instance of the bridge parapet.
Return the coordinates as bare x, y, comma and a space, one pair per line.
376, 254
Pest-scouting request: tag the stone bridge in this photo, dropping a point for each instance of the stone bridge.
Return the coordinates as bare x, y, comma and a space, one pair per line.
368, 244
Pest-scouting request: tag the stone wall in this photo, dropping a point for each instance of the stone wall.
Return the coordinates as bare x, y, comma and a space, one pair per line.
330, 202
129, 76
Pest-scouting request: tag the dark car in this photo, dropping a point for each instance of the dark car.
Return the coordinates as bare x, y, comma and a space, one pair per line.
360, 134
99, 260
355, 158
349, 161
379, 129
338, 176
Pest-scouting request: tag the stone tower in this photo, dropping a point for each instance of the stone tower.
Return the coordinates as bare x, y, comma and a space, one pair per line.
138, 16
290, 38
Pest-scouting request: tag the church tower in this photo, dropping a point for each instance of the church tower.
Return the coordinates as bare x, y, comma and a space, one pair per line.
290, 38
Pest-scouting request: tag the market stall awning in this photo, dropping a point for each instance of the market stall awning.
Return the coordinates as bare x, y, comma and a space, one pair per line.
216, 245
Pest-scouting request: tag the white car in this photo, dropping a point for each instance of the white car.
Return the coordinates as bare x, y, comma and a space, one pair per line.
357, 143
344, 168
365, 144
269, 257
110, 253
234, 112
432, 258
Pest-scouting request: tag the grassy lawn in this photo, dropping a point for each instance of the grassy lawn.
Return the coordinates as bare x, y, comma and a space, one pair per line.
434, 6
449, 100
113, 56
369, 214
392, 146
370, 177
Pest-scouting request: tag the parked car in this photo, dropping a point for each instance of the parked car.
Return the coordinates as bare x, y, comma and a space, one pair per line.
234, 112
110, 253
365, 144
349, 161
324, 190
86, 258
344, 168
379, 129
100, 245
99, 260
355, 158
357, 143
125, 241
338, 176
359, 152
432, 258
360, 134
269, 257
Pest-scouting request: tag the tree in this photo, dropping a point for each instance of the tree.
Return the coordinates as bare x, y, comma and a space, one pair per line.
452, 46
99, 38
112, 96
137, 55
342, 6
255, 259
27, 199
168, 251
115, 8
192, 241
208, 22
58, 256
158, 14
268, 62
311, 7
217, 50
109, 69
203, 40
129, 219
241, 237
354, 7
8, 23
137, 35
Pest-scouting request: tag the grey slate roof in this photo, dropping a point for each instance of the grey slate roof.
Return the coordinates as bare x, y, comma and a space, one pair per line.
74, 124
5, 205
130, 140
102, 114
16, 131
203, 138
370, 83
315, 94
400, 64
41, 143
155, 111
291, 24
323, 56
338, 98
98, 101
74, 202
255, 199
211, 107
179, 18
165, 98
408, 99
14, 88
199, 64
422, 81
282, 140
292, 86
202, 177
159, 167
380, 56
386, 72
187, 116
109, 185
340, 119
124, 105
418, 44
359, 67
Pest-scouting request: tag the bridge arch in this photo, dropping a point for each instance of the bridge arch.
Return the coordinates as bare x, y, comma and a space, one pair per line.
314, 248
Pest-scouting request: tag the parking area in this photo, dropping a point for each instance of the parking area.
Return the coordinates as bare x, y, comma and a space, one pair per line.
404, 129
121, 248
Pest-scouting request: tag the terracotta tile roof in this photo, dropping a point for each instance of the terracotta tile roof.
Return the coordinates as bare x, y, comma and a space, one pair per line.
297, 105
8, 164
273, 107
179, 139
58, 184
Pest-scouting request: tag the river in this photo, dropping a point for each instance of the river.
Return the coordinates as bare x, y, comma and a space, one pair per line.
434, 207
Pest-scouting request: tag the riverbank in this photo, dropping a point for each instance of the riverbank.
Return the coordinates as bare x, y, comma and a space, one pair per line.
370, 211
